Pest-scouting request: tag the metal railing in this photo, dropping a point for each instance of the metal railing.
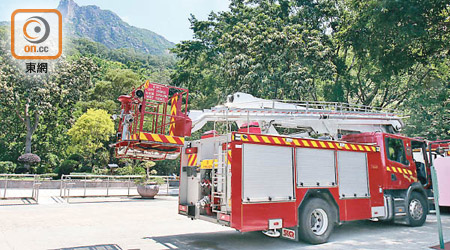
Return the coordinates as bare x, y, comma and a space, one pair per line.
93, 183
79, 185
341, 106
319, 106
8, 178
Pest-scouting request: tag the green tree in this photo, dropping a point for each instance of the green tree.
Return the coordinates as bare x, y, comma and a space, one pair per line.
67, 92
390, 54
30, 99
90, 132
271, 49
395, 54
147, 165
119, 82
104, 93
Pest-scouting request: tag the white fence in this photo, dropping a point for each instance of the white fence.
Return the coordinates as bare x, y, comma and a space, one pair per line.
9, 179
77, 185
27, 186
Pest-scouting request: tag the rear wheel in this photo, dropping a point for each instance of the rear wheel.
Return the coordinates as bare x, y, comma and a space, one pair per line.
416, 210
316, 221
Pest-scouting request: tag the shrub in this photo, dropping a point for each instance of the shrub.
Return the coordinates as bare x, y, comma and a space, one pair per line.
127, 170
29, 158
151, 180
137, 170
21, 170
67, 167
86, 169
52, 161
100, 171
75, 157
42, 169
130, 170
7, 167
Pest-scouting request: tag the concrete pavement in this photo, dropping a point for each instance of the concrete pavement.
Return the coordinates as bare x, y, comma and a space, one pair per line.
132, 223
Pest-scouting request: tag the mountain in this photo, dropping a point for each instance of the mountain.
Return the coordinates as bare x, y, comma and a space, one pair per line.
108, 28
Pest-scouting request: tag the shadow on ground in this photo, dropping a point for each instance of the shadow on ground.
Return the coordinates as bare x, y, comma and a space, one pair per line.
351, 235
95, 247
112, 199
223, 240
17, 201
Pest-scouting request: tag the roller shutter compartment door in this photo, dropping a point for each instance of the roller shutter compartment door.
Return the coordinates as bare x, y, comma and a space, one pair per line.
267, 173
353, 177
315, 167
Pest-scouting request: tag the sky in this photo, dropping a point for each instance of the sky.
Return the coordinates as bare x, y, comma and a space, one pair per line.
168, 18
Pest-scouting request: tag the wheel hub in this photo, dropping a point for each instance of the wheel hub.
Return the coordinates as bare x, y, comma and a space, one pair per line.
319, 221
415, 209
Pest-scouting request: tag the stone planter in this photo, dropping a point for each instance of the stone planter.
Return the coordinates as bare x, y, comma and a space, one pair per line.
148, 191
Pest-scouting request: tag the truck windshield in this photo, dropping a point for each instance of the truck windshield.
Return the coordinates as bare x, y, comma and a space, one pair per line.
395, 150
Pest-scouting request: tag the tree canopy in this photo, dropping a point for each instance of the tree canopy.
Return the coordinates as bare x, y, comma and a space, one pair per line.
389, 54
90, 132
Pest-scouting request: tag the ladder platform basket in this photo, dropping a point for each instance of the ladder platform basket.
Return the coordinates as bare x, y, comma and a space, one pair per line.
153, 122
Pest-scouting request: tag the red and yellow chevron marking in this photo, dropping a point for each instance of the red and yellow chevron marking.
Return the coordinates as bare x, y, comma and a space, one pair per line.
147, 84
192, 160
308, 143
173, 112
158, 138
229, 157
407, 174
410, 178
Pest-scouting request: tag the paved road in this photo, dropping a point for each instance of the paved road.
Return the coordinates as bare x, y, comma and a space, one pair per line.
123, 223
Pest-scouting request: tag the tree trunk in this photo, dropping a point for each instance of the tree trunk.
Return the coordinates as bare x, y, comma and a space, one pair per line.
30, 129
28, 145
28, 141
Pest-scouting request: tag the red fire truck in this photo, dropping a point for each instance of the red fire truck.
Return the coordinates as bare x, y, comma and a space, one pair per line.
289, 169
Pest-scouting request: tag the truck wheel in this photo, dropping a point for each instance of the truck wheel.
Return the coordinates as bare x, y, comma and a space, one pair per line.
316, 221
416, 210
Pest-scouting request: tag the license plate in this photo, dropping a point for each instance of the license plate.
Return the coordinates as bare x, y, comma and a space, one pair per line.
288, 233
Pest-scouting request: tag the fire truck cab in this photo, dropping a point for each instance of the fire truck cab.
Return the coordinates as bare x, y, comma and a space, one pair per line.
297, 186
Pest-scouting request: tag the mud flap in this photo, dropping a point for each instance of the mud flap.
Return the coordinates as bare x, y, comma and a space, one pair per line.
188, 210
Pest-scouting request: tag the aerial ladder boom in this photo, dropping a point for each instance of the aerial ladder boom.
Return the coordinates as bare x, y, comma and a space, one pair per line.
331, 118
154, 119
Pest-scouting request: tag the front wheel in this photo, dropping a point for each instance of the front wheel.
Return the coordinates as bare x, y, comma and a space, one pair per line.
416, 210
316, 221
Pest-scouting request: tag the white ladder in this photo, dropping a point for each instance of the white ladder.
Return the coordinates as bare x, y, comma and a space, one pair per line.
219, 174
219, 181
